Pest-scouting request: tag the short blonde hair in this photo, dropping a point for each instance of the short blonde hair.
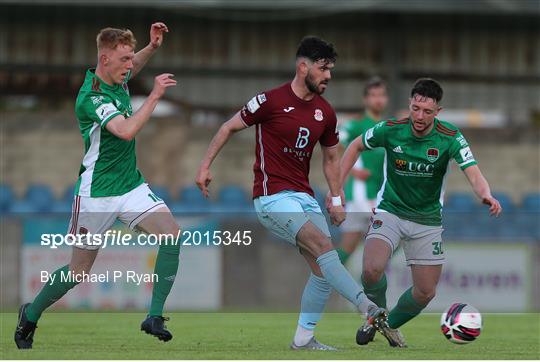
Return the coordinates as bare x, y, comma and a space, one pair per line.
111, 37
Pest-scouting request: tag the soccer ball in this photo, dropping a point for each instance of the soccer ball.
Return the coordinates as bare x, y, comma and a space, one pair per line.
461, 323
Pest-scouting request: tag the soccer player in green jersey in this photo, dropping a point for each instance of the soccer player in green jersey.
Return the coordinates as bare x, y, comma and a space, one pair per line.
365, 180
110, 186
418, 151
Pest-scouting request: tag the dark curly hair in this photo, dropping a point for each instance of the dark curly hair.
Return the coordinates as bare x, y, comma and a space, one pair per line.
427, 87
315, 48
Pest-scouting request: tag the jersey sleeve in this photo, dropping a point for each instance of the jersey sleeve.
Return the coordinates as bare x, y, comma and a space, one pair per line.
99, 108
374, 136
461, 152
330, 136
256, 111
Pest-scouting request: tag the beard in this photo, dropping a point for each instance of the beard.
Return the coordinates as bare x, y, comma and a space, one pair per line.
312, 86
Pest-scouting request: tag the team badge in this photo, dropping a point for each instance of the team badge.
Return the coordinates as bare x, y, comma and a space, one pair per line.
401, 164
377, 224
83, 230
432, 154
318, 115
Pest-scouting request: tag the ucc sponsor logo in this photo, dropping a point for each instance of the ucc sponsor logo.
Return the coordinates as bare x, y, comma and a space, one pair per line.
407, 168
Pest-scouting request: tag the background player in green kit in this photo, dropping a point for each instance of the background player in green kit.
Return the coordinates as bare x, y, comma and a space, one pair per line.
110, 186
365, 180
418, 150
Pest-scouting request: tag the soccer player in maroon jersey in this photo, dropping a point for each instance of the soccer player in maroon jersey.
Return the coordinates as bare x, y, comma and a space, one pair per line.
290, 120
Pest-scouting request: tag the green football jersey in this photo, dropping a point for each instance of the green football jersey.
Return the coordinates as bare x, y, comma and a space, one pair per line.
415, 168
109, 166
371, 160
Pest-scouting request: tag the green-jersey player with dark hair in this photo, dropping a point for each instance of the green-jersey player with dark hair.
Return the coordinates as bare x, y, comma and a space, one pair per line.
418, 150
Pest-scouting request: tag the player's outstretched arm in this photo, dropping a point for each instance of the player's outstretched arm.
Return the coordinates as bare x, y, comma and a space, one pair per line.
332, 173
481, 188
127, 128
156, 38
225, 132
349, 157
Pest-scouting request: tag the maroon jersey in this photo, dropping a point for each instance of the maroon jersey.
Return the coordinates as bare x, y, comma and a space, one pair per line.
287, 130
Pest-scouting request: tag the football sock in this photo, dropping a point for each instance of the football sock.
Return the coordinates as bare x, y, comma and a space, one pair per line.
406, 309
166, 268
55, 288
339, 278
314, 298
343, 255
376, 292
302, 336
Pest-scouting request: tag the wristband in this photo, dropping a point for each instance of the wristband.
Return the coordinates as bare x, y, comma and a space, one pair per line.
336, 201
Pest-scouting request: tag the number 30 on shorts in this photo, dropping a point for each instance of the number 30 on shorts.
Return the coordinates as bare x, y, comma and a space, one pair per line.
437, 248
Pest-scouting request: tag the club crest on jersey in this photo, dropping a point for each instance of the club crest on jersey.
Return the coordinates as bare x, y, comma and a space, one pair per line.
401, 164
376, 224
432, 154
318, 115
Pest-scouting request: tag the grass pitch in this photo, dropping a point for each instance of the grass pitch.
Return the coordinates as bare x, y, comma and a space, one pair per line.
259, 336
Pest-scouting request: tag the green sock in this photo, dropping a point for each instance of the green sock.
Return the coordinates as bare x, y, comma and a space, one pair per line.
343, 255
166, 267
376, 292
53, 290
406, 309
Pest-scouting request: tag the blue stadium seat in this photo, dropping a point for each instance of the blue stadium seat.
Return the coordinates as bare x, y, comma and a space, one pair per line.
191, 201
69, 192
526, 224
505, 200
193, 195
162, 192
64, 204
6, 198
531, 202
62, 207
38, 198
460, 202
233, 199
232, 195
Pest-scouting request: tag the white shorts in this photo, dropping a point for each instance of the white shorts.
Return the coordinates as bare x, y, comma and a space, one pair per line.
358, 215
96, 215
422, 244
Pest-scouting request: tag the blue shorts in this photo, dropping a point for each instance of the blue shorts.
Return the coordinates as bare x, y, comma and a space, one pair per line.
286, 212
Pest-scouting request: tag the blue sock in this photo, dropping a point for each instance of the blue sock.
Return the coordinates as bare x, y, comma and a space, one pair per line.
316, 294
339, 278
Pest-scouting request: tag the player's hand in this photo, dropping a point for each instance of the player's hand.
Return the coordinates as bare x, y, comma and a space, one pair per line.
360, 173
162, 82
495, 208
337, 214
328, 200
156, 34
203, 179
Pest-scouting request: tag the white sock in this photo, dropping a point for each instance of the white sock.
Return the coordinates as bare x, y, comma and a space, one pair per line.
302, 336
